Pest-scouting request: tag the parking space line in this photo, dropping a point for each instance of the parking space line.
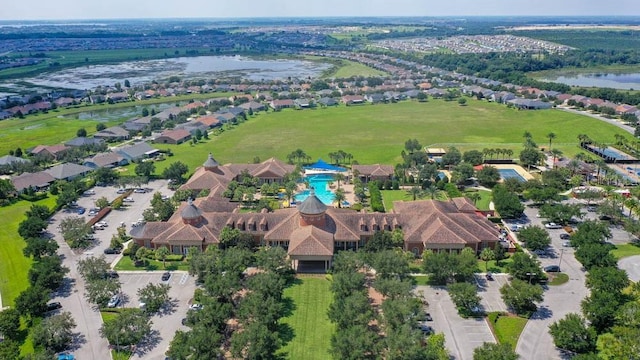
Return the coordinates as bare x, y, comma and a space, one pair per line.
184, 279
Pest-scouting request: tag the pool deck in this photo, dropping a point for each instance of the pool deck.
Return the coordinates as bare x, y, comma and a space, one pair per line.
517, 168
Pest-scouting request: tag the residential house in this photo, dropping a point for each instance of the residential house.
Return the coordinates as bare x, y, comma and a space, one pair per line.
68, 171
282, 104
253, 106
37, 181
173, 136
353, 99
10, 159
52, 151
114, 133
327, 101
375, 98
137, 152
117, 97
84, 141
302, 103
529, 104
208, 121
107, 159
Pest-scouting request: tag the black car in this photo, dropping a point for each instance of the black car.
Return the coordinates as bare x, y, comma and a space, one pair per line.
113, 274
110, 251
166, 276
565, 236
53, 306
426, 329
552, 268
489, 276
427, 317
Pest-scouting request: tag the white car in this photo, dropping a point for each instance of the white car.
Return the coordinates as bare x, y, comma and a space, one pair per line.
196, 307
139, 191
128, 199
90, 192
552, 225
114, 301
102, 223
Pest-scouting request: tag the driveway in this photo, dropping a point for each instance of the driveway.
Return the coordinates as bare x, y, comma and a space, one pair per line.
489, 292
88, 343
166, 322
461, 335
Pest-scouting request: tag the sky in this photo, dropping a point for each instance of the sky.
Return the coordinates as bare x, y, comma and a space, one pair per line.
122, 9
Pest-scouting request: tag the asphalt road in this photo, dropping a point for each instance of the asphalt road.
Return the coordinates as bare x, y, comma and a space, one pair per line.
631, 265
88, 344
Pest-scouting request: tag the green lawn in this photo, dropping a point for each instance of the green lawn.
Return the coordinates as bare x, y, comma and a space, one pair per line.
350, 68
389, 196
13, 265
376, 133
625, 250
491, 266
507, 328
115, 354
485, 199
152, 265
311, 327
559, 279
421, 279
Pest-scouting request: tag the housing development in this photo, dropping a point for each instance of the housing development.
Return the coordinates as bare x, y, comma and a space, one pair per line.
350, 187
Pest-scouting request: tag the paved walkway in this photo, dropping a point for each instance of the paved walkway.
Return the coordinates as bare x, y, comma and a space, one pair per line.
631, 265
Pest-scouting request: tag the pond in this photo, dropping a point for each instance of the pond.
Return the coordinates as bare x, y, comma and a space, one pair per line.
200, 67
609, 80
109, 114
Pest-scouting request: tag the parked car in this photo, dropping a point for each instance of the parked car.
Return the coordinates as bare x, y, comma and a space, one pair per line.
112, 274
166, 276
426, 329
565, 236
139, 191
114, 301
80, 210
552, 268
128, 199
54, 306
121, 191
97, 227
196, 307
102, 223
566, 243
427, 317
591, 208
489, 275
552, 225
94, 212
89, 192
110, 251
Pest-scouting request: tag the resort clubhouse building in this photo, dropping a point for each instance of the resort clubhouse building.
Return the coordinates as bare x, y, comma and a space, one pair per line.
312, 232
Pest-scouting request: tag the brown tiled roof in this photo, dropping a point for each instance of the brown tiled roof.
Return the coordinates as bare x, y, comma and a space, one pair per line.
37, 179
310, 240
374, 170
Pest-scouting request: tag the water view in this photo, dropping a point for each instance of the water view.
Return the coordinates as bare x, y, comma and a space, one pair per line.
110, 114
139, 72
616, 81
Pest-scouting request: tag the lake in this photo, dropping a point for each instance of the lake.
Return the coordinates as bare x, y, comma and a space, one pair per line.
109, 114
200, 67
616, 81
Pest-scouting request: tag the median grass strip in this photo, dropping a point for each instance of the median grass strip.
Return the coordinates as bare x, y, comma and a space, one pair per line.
559, 279
506, 327
13, 265
310, 326
109, 315
127, 264
625, 250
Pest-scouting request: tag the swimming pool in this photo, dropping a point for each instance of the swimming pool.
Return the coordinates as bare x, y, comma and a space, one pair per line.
319, 183
510, 173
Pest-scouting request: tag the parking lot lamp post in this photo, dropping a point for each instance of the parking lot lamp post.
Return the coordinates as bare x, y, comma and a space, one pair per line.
530, 275
560, 262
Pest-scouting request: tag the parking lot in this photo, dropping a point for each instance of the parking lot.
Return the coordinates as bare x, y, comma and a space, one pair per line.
489, 292
89, 344
461, 335
167, 321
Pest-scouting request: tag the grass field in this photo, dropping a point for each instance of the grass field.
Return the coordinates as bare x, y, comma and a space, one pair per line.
13, 265
52, 128
350, 68
491, 266
485, 199
625, 250
311, 327
507, 328
376, 133
389, 196
126, 264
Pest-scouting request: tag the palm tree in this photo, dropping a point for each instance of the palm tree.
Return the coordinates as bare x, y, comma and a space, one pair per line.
550, 136
339, 177
632, 204
432, 191
526, 135
509, 153
415, 192
485, 153
339, 197
473, 196
487, 255
556, 153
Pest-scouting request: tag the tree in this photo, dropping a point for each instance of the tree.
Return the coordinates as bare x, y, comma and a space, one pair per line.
354, 342
74, 230
54, 333
175, 172
130, 327
40, 211
487, 255
105, 175
256, 341
524, 267
608, 279
473, 157
39, 247
488, 176
441, 265
462, 172
145, 168
31, 227
451, 157
535, 238
620, 343
199, 344
462, 101
521, 296
161, 254
47, 273
600, 309
507, 203
550, 136
154, 296
33, 301
571, 333
66, 196
81, 132
6, 189
530, 156
10, 323
10, 349
592, 255
491, 351
560, 213
415, 192
466, 264
100, 126
465, 296
339, 197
